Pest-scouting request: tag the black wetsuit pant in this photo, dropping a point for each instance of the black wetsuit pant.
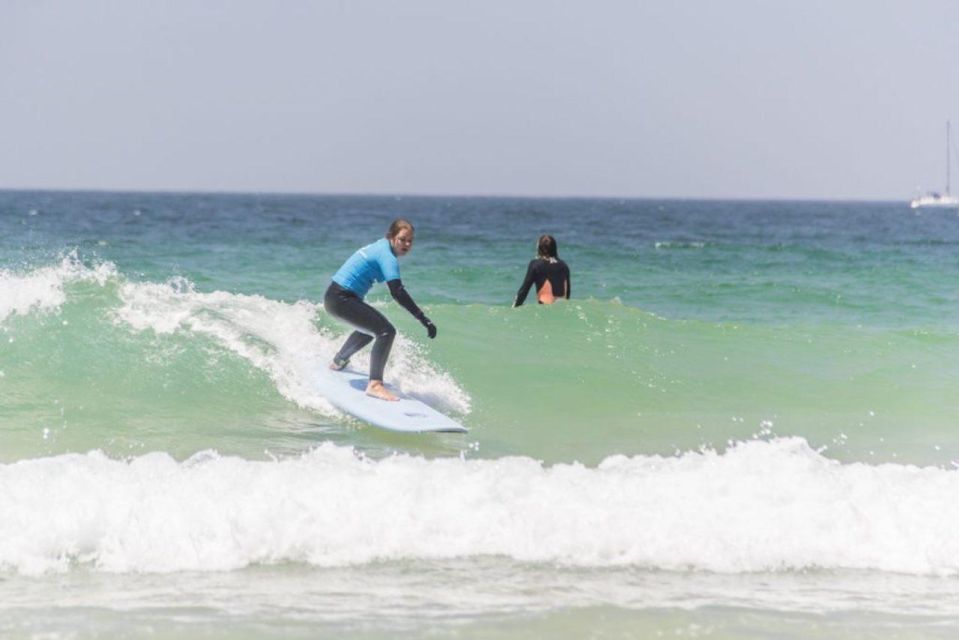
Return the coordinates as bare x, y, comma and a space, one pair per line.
369, 323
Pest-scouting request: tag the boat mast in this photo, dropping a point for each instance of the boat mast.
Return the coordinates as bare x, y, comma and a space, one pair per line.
947, 157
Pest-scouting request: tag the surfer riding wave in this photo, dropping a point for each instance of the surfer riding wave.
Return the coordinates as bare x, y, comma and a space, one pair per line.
377, 262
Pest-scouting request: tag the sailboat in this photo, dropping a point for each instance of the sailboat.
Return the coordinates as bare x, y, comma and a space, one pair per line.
935, 199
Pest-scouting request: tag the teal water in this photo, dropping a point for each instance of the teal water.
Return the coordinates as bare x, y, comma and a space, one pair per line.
741, 399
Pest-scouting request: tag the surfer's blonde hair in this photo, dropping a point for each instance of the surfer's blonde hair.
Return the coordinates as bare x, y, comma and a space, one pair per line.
398, 225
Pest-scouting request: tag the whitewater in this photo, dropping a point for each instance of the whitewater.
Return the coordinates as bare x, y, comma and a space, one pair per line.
761, 506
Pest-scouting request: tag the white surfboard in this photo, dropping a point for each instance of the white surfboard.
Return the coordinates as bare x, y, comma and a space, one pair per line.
346, 390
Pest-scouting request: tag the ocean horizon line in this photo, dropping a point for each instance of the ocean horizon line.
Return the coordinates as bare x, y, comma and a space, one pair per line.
437, 195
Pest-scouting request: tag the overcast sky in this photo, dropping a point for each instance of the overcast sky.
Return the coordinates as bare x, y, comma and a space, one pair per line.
643, 98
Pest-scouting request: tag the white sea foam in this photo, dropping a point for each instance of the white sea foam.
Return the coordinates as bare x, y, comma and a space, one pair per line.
678, 244
761, 506
42, 290
279, 338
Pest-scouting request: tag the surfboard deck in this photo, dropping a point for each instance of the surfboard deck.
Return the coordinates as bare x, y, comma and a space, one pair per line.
346, 390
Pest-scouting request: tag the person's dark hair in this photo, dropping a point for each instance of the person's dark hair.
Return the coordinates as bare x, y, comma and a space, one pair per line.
547, 247
397, 226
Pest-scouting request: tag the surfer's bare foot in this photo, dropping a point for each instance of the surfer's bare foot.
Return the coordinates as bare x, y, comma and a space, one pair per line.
377, 389
338, 365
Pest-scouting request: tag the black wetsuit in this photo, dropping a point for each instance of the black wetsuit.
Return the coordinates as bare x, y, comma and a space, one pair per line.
370, 323
542, 271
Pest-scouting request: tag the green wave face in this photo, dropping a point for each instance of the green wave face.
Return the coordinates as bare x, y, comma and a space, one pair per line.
78, 379
128, 367
625, 381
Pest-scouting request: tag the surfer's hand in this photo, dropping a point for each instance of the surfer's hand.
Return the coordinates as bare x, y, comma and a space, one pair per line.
430, 329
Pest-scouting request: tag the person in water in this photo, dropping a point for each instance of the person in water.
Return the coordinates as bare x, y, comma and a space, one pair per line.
377, 262
550, 274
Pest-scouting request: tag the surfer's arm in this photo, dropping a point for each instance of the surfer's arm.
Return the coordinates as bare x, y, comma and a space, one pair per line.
398, 291
569, 284
524, 288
